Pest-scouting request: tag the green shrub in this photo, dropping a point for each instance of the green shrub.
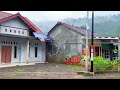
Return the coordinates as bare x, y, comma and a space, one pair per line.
82, 56
101, 64
114, 64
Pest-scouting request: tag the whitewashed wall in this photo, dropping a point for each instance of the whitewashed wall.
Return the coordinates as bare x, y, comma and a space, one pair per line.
22, 49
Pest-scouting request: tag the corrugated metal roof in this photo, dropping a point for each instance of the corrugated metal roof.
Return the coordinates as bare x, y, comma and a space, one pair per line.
38, 35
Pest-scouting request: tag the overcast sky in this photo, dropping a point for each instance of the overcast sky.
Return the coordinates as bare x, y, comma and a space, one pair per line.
59, 15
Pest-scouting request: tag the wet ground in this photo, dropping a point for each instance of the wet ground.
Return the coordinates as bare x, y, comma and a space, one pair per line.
51, 71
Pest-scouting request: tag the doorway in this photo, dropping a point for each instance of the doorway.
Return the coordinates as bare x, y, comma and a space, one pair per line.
6, 54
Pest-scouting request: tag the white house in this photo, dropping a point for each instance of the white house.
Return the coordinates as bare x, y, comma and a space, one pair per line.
17, 41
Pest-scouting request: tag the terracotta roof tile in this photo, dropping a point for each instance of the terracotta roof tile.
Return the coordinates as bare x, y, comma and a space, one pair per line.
4, 15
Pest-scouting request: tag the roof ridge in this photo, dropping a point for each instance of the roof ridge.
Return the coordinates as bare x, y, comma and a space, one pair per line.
70, 25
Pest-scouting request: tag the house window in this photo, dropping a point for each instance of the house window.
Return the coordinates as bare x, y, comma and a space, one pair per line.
5, 30
10, 30
14, 42
1, 41
11, 42
22, 32
36, 49
36, 43
15, 51
19, 32
14, 31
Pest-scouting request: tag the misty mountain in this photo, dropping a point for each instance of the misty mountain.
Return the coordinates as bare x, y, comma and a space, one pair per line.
103, 25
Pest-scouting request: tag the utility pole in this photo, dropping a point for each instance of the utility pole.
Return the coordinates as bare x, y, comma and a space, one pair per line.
87, 41
92, 42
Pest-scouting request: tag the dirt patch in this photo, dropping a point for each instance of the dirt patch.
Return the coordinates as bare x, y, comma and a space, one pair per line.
41, 71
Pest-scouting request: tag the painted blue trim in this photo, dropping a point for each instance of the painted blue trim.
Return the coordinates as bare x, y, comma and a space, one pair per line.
41, 36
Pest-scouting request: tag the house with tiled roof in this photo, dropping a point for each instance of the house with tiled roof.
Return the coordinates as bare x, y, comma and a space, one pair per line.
69, 40
18, 41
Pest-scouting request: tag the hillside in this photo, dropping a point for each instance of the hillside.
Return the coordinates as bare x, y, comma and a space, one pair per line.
107, 25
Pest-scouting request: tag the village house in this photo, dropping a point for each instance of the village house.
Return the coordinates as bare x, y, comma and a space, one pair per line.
69, 40
18, 41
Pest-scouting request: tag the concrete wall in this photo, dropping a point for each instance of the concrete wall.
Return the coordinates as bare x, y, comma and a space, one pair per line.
14, 25
41, 51
65, 42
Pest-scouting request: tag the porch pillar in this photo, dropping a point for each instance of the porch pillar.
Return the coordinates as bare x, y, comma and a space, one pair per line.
118, 49
27, 56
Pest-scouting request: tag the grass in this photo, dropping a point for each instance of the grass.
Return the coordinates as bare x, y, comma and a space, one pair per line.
11, 74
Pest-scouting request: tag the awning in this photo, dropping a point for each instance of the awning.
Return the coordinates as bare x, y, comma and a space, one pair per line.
42, 37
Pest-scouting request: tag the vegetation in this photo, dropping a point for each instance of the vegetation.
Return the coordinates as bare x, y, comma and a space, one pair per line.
101, 64
104, 25
82, 56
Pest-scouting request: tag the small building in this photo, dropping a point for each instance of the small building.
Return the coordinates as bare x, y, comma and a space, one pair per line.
66, 41
69, 40
18, 43
105, 46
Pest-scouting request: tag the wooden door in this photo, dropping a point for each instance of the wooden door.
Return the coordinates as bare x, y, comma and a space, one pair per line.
6, 54
3, 55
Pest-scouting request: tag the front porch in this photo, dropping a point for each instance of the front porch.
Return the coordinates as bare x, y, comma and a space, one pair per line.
2, 65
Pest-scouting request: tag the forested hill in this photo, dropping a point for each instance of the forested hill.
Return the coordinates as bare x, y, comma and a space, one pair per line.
107, 25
